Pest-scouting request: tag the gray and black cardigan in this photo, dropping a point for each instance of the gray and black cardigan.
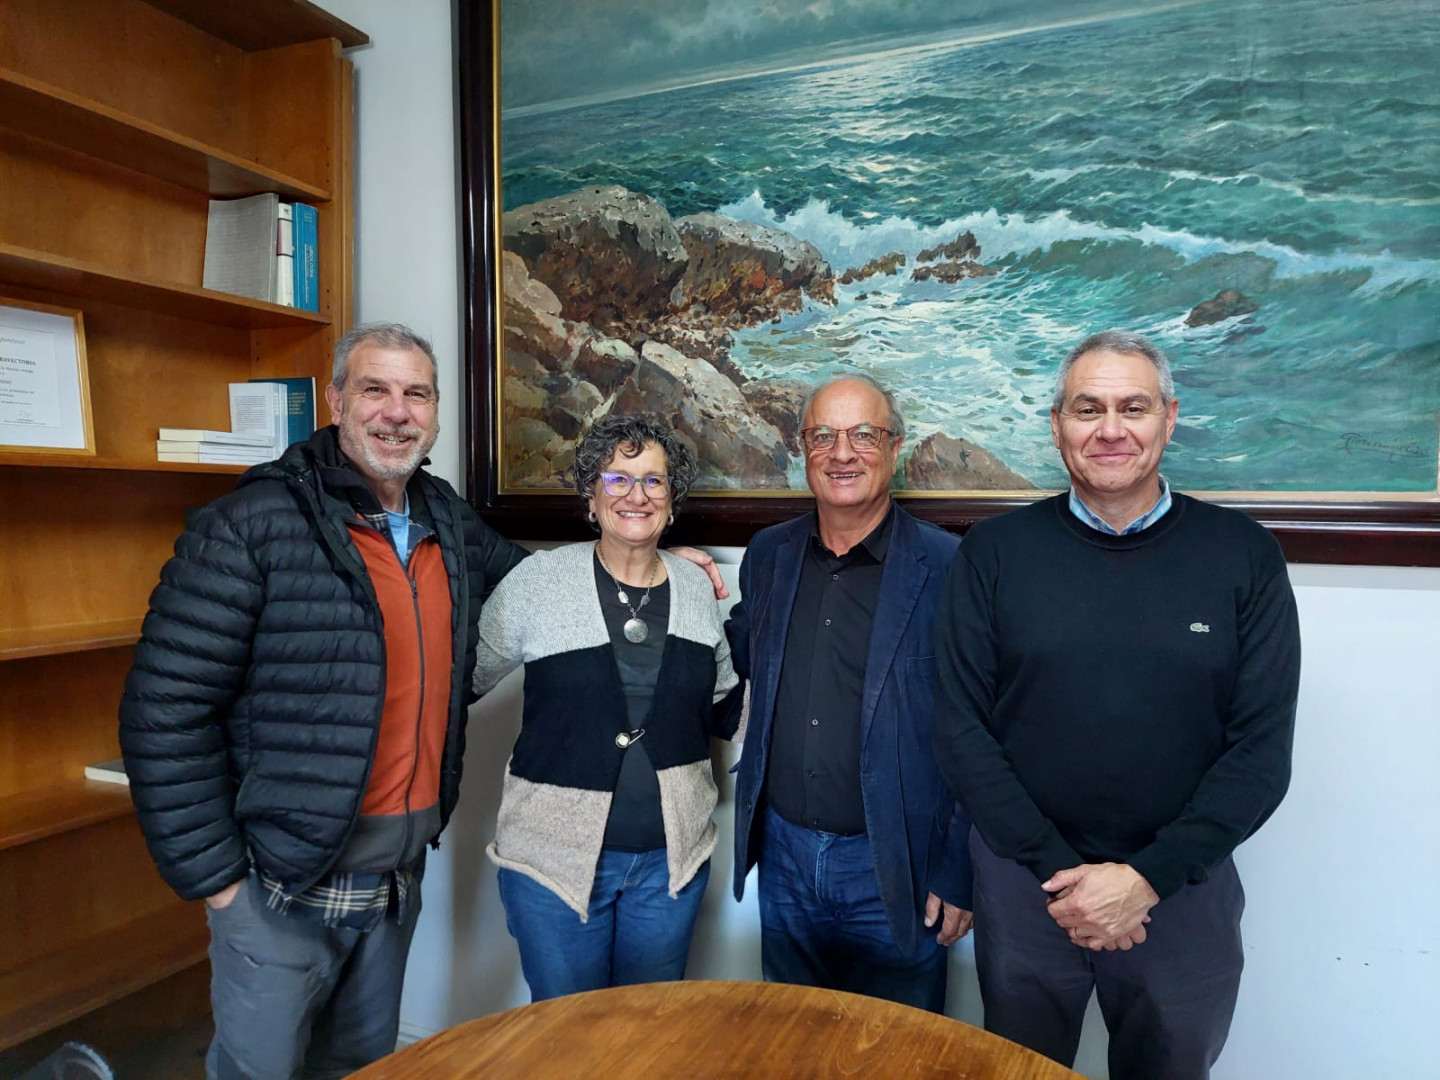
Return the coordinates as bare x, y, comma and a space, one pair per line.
562, 772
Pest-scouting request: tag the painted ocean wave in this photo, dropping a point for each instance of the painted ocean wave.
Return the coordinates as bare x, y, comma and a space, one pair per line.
1005, 236
1298, 167
1238, 180
977, 358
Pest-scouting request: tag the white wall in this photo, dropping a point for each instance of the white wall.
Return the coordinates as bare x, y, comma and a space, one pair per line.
1342, 940
1343, 947
406, 215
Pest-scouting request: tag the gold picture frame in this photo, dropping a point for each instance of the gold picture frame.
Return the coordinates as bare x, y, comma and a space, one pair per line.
44, 380
1380, 524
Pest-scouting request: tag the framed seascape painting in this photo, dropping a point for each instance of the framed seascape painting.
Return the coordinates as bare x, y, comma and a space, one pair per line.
696, 209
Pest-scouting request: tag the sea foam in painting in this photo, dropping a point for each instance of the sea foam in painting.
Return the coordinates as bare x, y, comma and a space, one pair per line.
1118, 171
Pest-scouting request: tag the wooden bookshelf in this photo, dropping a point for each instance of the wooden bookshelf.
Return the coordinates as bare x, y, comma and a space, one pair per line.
51, 113
20, 642
78, 280
263, 26
54, 989
28, 816
81, 461
119, 121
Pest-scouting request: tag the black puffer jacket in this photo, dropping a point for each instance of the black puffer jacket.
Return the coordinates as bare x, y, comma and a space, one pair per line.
250, 716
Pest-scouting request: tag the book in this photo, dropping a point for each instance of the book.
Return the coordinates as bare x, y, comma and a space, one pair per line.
209, 455
262, 452
240, 246
307, 278
261, 408
285, 255
111, 772
205, 435
299, 408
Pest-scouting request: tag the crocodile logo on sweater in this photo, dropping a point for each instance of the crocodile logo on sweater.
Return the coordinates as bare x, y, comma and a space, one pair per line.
1199, 628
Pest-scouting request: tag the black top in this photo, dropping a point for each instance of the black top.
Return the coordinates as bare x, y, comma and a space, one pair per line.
814, 771
1125, 698
635, 822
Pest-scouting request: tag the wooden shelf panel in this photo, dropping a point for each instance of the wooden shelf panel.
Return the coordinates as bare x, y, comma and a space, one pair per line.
263, 24
84, 461
58, 116
33, 269
28, 816
17, 644
54, 989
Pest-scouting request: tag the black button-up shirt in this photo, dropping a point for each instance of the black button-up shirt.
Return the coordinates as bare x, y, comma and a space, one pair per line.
814, 772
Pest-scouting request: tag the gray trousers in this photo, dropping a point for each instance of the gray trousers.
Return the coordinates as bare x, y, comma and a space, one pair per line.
1167, 1003
295, 999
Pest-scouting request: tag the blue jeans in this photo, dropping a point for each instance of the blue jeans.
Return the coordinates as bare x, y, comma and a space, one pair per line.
635, 932
822, 922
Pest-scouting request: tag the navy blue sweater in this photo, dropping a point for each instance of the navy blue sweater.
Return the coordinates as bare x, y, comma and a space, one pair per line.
1127, 699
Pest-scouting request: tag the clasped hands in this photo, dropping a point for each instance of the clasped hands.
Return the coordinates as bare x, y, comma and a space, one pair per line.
1101, 905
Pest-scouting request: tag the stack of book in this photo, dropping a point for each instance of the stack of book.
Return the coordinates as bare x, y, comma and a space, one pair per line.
205, 447
266, 416
265, 249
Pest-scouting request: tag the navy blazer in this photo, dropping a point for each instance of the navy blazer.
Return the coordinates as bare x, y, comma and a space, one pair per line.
918, 833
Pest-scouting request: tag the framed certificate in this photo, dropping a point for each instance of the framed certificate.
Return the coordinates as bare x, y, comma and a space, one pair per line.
44, 385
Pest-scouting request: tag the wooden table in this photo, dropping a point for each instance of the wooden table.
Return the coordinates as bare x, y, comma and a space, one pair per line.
701, 1030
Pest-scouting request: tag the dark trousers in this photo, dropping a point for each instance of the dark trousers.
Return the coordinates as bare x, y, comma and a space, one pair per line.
1167, 1003
294, 998
822, 922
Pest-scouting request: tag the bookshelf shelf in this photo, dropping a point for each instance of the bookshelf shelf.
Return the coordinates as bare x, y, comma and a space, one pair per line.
263, 24
57, 116
96, 970
20, 643
28, 268
28, 816
83, 461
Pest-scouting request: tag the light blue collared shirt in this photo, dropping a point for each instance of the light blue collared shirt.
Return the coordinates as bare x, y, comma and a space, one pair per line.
400, 530
1144, 521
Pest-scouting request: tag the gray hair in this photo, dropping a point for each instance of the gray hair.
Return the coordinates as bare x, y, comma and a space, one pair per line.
388, 335
895, 424
628, 436
1117, 341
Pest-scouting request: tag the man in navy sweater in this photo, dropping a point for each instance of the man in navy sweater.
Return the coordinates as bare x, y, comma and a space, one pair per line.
1118, 669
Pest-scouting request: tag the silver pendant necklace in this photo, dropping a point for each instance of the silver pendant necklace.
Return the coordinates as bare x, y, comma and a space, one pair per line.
636, 628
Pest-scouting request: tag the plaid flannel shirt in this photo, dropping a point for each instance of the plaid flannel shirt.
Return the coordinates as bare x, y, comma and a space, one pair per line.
358, 901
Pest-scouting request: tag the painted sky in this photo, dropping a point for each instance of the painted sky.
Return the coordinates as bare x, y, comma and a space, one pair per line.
560, 50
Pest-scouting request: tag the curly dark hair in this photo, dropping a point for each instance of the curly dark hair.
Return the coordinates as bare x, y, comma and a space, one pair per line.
627, 436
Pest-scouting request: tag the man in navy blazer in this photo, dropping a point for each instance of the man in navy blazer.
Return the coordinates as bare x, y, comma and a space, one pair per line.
864, 870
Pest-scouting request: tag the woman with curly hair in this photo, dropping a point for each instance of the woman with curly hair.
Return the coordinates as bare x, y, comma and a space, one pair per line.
604, 832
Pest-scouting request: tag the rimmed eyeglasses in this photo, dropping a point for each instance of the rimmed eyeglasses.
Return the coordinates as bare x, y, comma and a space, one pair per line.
862, 437
619, 484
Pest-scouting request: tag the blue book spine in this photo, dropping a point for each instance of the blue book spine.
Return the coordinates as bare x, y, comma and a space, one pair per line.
307, 273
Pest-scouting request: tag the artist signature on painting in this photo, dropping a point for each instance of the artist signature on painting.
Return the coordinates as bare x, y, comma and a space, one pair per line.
1354, 441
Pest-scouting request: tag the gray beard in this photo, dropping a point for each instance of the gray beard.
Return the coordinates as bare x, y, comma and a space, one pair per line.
390, 470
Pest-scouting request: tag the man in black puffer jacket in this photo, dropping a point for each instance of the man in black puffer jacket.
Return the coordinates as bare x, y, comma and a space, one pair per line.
294, 721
